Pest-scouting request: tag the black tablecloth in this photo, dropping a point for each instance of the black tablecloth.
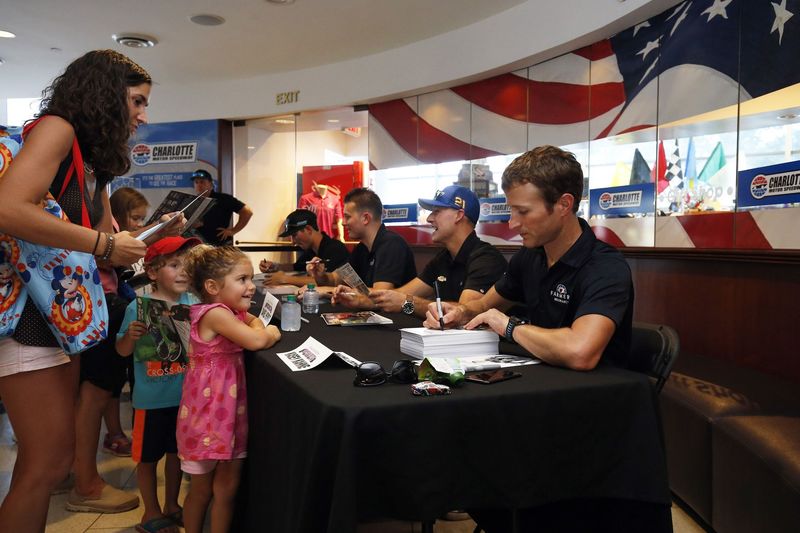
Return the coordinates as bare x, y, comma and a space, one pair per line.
324, 454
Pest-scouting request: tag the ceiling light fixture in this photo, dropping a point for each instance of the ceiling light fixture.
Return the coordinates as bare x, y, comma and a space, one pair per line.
207, 20
333, 120
284, 121
135, 40
788, 116
281, 2
7, 34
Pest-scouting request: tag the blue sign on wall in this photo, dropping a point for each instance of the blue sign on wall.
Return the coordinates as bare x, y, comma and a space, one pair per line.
624, 200
494, 209
400, 213
774, 184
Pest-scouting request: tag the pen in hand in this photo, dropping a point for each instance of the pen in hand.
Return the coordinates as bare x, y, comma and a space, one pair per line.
438, 304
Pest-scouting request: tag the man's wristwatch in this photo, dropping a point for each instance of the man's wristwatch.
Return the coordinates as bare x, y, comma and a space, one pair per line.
408, 305
513, 322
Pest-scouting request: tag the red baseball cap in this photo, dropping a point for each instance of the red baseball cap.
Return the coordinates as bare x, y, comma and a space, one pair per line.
169, 245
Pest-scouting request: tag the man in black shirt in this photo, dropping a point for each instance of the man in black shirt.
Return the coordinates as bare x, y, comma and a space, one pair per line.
216, 227
382, 258
301, 226
578, 290
464, 270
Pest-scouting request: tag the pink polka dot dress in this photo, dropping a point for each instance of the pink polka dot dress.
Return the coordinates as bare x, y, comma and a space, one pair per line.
212, 419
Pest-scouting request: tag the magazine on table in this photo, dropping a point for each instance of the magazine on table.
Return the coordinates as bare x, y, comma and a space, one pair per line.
168, 327
479, 363
355, 318
311, 354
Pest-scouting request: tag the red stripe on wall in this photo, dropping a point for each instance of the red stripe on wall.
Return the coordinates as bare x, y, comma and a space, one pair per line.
400, 121
505, 95
566, 103
608, 236
713, 230
596, 51
748, 235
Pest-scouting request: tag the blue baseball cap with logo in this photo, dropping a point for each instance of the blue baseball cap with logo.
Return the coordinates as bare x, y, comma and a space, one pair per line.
455, 197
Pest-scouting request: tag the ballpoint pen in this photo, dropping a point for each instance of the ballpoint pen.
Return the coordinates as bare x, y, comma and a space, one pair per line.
438, 304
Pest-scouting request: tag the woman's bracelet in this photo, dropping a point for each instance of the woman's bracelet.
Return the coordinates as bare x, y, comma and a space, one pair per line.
96, 242
109, 247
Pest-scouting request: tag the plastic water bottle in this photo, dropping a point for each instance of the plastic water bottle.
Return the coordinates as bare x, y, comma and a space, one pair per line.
311, 300
290, 314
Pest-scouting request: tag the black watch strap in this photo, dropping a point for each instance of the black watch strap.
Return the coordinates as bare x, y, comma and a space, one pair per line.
513, 322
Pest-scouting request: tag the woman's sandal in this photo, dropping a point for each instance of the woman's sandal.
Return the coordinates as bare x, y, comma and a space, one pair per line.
162, 524
176, 517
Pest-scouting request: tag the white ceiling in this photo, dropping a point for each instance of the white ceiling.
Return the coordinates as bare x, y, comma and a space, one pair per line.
335, 52
257, 37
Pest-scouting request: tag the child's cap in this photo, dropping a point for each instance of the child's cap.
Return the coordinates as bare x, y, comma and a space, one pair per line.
168, 245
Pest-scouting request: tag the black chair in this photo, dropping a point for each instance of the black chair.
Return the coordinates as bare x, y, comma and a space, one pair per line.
654, 349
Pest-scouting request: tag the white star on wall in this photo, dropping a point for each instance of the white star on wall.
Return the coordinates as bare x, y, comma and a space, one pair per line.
781, 16
649, 47
638, 27
718, 8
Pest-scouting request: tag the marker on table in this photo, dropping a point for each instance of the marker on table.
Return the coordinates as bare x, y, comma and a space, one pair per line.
304, 319
438, 304
317, 261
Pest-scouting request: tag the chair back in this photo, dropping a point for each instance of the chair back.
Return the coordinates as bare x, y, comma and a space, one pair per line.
654, 348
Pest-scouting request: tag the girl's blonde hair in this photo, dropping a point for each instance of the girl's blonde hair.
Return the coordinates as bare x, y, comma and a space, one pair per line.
210, 262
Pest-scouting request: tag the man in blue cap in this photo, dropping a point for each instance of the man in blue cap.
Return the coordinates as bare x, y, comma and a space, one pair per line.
464, 270
216, 227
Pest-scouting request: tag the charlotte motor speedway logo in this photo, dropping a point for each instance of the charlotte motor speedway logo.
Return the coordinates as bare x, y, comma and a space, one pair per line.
775, 184
178, 152
610, 200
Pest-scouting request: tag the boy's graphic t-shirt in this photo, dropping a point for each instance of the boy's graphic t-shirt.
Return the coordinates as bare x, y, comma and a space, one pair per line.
159, 356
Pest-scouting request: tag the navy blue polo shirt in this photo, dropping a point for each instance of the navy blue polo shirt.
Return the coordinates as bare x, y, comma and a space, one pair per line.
476, 266
592, 278
390, 260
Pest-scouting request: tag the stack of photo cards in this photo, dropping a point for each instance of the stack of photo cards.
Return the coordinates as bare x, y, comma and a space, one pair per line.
351, 278
193, 207
311, 354
424, 342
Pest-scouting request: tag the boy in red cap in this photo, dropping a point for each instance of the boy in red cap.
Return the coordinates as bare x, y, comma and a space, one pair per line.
159, 363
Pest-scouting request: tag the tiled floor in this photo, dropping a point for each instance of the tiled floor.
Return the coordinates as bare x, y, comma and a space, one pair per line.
119, 471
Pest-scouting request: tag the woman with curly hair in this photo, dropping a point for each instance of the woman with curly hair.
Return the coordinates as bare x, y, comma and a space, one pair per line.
101, 100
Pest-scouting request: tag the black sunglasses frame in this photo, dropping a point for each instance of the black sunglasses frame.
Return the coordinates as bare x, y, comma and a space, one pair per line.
372, 373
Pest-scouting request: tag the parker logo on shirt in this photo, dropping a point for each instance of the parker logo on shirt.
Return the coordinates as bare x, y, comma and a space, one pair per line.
560, 294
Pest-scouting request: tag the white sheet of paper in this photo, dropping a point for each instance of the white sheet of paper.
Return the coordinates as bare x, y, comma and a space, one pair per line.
306, 356
268, 308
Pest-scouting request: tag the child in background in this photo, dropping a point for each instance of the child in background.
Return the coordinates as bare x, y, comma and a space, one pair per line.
212, 420
157, 393
129, 209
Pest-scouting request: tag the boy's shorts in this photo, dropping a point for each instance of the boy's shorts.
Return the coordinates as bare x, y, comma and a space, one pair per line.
154, 434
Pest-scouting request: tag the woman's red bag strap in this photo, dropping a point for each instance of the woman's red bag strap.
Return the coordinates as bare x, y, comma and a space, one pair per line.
77, 164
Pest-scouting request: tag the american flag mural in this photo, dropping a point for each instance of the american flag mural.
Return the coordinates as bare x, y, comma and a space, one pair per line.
688, 60
698, 56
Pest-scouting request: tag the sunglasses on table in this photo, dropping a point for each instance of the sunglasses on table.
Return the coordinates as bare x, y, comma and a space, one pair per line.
371, 373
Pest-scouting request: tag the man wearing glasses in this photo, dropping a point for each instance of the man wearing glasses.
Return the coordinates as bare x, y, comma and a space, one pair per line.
463, 271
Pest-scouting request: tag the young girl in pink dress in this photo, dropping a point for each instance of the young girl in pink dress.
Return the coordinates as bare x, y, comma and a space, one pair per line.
212, 418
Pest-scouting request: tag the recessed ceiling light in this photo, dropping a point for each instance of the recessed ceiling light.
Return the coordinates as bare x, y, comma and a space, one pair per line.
284, 121
251, 147
281, 2
135, 40
207, 20
333, 120
55, 49
7, 34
